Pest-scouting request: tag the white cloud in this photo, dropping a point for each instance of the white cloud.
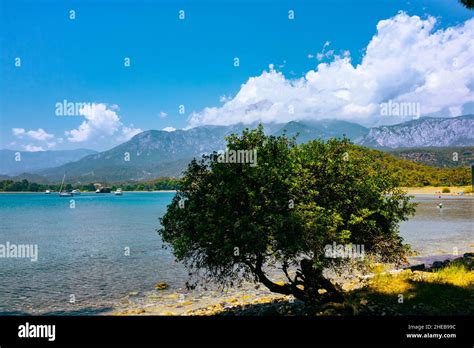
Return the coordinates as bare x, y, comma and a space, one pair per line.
163, 114
101, 122
405, 61
129, 132
40, 134
169, 129
325, 54
225, 98
32, 148
18, 132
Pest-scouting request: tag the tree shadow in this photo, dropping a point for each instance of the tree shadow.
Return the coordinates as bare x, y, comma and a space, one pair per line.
418, 298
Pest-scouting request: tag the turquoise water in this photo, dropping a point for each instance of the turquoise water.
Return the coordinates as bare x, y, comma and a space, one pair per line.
81, 251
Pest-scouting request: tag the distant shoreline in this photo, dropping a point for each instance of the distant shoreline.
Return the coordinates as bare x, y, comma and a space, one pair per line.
427, 190
54, 192
437, 190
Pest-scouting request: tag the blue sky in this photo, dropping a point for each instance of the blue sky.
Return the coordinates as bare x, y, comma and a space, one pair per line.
173, 62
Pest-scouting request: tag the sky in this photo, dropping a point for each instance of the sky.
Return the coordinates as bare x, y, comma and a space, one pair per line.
122, 67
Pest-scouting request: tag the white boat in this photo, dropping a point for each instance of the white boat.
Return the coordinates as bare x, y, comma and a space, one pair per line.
118, 192
65, 193
47, 192
76, 192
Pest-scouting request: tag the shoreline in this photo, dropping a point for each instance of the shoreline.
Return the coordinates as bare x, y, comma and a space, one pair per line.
250, 298
82, 192
455, 191
437, 190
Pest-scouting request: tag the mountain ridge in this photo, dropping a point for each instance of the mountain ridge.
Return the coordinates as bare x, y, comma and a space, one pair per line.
155, 153
423, 132
16, 162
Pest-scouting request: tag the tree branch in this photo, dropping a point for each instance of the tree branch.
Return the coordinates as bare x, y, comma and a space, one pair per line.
286, 289
284, 267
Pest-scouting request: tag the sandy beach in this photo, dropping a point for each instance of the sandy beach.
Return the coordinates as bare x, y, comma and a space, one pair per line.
438, 190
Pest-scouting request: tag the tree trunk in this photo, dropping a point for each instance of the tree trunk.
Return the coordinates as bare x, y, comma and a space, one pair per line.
314, 281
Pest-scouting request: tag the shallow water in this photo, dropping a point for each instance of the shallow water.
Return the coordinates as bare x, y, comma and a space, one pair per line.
446, 230
81, 250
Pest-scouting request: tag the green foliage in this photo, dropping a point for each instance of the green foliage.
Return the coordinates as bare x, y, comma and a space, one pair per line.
232, 221
26, 186
467, 3
446, 190
20, 186
418, 175
411, 174
451, 157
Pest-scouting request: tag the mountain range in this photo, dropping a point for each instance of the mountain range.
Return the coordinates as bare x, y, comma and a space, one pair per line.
155, 153
18, 162
423, 132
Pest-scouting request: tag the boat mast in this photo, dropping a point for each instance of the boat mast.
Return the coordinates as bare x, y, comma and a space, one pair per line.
61, 187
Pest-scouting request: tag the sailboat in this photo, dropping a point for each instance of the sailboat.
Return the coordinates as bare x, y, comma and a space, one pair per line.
61, 193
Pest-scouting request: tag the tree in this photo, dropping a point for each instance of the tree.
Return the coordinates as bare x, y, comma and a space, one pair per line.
34, 187
467, 3
234, 221
89, 187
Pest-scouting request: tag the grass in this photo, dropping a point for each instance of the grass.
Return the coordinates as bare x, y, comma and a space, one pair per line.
456, 274
448, 291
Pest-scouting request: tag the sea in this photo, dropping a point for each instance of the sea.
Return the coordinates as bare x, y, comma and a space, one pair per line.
96, 249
